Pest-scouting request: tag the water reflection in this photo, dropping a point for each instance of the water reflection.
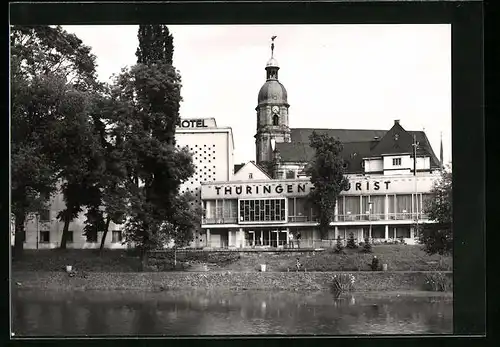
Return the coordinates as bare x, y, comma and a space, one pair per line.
226, 313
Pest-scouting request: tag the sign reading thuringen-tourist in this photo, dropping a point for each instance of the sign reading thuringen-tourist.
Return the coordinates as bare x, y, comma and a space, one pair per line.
297, 188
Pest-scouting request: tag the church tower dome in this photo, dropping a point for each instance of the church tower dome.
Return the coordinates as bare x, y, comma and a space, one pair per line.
272, 112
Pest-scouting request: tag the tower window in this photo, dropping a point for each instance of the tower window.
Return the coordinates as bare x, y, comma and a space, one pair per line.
250, 175
276, 120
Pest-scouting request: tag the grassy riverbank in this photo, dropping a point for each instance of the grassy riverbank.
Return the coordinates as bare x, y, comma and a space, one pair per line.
158, 281
397, 258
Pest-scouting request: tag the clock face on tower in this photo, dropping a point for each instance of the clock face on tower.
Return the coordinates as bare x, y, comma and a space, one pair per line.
276, 109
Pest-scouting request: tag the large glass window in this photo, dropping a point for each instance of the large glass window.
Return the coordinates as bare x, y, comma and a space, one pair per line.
403, 203
340, 206
270, 210
352, 207
230, 209
392, 204
291, 206
301, 208
378, 206
365, 209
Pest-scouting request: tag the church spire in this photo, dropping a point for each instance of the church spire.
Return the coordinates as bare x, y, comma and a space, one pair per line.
272, 65
272, 45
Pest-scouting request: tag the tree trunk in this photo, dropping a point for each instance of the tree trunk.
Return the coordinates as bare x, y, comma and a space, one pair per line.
64, 237
108, 220
19, 235
144, 258
144, 251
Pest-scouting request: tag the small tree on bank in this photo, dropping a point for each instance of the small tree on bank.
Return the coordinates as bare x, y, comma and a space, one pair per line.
367, 246
326, 170
339, 247
438, 237
351, 243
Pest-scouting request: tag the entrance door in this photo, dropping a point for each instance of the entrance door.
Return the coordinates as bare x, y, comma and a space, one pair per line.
282, 238
224, 240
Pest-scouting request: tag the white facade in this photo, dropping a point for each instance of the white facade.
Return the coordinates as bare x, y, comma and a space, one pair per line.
212, 150
379, 207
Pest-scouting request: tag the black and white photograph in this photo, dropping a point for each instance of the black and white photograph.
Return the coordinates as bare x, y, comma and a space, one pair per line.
228, 180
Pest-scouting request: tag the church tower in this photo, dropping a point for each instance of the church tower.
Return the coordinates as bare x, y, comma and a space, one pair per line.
272, 113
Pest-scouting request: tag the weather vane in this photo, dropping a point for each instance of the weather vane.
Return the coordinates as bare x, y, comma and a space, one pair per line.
272, 44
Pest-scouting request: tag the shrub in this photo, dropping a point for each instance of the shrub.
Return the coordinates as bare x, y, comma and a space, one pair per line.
367, 247
343, 283
437, 282
339, 247
351, 244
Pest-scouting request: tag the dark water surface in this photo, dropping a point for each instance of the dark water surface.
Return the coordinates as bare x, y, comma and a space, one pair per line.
93, 313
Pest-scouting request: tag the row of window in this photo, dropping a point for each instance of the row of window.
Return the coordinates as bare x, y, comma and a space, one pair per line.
399, 206
116, 236
269, 210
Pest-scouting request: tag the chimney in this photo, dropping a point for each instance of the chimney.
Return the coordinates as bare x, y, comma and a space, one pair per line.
396, 121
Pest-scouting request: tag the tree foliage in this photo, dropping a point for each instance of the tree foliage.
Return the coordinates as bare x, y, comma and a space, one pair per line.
327, 175
110, 150
147, 100
155, 45
53, 79
437, 237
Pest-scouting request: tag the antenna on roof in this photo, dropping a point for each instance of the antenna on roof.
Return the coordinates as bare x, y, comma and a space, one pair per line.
415, 147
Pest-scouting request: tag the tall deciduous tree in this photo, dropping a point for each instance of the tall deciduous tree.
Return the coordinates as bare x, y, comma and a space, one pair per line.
33, 170
148, 99
51, 74
437, 237
327, 175
109, 196
81, 161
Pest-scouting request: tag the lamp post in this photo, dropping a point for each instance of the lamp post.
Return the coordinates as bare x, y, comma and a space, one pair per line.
37, 229
415, 146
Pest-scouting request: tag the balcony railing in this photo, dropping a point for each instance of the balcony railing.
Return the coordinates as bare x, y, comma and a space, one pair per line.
302, 219
225, 220
339, 218
381, 217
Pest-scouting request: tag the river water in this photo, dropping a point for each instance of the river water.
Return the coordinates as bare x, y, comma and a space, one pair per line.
175, 313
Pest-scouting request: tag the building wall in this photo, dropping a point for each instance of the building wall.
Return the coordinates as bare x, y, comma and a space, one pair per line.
374, 165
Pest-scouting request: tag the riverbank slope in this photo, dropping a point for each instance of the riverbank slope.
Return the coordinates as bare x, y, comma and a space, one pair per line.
158, 281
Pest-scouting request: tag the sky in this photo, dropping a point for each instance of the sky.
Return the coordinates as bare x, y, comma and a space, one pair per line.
337, 76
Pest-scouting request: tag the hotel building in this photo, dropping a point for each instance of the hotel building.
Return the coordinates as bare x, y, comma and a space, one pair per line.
391, 173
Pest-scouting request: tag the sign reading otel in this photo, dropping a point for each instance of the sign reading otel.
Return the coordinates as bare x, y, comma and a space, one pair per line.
198, 123
302, 188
